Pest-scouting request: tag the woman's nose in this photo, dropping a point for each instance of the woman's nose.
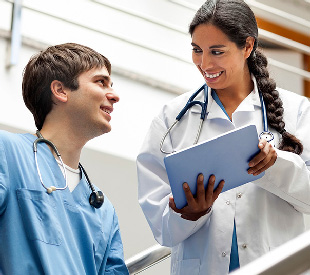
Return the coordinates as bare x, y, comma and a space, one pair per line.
206, 62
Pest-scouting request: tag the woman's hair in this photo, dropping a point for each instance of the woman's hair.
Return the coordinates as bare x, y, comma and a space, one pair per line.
237, 21
61, 62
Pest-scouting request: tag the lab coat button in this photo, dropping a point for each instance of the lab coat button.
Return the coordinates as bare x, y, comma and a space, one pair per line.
239, 195
224, 254
244, 246
228, 202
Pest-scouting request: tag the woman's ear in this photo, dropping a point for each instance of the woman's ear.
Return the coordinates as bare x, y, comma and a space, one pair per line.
249, 44
59, 91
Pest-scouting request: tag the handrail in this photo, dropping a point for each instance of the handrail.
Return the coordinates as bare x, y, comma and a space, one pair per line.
147, 258
288, 259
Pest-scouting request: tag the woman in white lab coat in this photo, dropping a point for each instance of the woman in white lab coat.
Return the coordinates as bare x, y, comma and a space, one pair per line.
219, 232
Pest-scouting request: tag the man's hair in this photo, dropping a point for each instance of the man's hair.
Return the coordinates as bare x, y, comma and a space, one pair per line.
64, 63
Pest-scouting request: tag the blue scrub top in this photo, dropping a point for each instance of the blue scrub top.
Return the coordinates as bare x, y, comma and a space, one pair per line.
57, 233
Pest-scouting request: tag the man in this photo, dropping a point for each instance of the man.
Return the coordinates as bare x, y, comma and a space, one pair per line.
46, 228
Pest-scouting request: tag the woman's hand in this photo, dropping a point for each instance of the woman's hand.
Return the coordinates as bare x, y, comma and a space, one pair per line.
201, 204
264, 159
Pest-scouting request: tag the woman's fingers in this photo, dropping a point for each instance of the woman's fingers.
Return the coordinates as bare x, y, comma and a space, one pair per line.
173, 206
264, 159
218, 190
200, 188
200, 204
188, 194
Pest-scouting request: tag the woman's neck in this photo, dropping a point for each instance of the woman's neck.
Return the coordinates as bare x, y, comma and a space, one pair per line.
231, 97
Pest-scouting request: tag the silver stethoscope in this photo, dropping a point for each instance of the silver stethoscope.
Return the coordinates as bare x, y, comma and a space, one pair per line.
191, 102
96, 198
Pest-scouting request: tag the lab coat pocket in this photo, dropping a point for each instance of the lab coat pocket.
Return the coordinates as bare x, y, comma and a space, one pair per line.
190, 266
38, 213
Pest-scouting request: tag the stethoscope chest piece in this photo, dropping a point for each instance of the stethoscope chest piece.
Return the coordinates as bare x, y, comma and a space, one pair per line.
96, 199
266, 135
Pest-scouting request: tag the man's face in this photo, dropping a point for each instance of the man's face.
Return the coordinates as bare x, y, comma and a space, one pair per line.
91, 105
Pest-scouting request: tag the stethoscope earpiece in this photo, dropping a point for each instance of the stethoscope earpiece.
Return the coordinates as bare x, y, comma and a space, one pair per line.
96, 199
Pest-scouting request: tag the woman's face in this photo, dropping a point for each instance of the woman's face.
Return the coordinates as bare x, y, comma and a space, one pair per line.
222, 64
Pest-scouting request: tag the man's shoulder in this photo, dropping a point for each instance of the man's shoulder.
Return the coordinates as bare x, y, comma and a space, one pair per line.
15, 144
11, 138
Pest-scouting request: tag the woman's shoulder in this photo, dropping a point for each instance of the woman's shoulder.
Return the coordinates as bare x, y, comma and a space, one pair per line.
293, 100
288, 96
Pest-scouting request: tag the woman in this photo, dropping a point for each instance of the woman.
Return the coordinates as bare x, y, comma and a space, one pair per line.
219, 232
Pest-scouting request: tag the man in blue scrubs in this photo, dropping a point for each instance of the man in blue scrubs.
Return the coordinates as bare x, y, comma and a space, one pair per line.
69, 91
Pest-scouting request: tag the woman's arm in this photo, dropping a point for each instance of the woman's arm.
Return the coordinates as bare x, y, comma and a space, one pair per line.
168, 227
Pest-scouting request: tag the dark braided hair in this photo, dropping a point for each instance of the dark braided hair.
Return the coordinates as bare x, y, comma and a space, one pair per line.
237, 21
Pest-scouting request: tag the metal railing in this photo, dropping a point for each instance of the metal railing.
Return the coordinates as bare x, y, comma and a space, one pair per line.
147, 258
291, 258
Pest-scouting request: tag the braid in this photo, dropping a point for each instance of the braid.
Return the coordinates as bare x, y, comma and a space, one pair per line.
257, 63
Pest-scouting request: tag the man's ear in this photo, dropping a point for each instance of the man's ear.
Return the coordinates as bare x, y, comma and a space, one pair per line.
60, 92
249, 44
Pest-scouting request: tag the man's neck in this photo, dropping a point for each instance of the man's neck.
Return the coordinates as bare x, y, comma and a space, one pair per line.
68, 145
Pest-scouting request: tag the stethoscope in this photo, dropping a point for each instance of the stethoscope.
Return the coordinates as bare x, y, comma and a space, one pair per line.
191, 102
96, 198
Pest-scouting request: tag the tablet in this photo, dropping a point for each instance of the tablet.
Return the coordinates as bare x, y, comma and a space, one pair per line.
225, 156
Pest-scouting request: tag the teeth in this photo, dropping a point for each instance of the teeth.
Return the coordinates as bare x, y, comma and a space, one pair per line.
213, 75
106, 110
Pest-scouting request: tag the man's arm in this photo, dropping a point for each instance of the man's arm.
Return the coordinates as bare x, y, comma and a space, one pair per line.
115, 264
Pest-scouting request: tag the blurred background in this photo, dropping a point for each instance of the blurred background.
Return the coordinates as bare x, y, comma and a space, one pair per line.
149, 47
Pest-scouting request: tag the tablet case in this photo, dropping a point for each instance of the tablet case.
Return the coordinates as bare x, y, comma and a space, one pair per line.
225, 156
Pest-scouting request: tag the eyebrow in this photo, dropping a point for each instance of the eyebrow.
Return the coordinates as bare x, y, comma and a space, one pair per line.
107, 78
211, 47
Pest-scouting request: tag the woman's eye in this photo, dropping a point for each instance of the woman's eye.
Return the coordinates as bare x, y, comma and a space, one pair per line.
196, 50
214, 52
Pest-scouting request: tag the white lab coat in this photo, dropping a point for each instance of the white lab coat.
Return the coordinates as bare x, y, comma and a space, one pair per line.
267, 212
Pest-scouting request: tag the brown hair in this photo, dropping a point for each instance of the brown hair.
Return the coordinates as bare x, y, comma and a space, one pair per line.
63, 62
